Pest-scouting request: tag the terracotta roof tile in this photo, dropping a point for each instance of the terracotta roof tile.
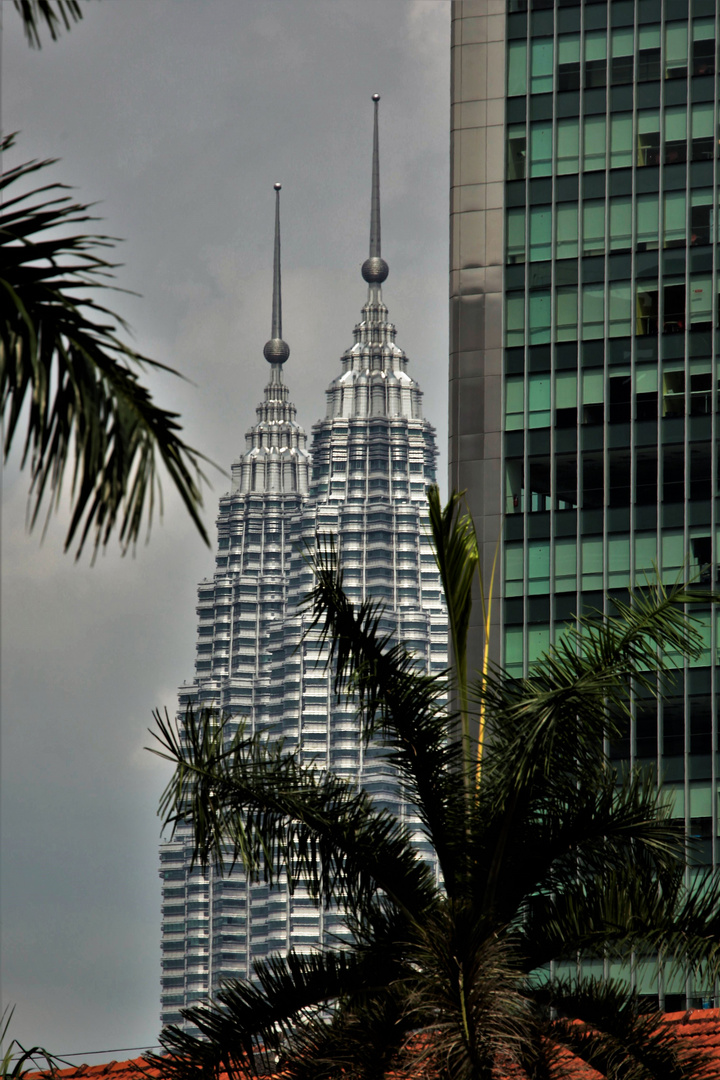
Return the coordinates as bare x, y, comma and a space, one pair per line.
699, 1029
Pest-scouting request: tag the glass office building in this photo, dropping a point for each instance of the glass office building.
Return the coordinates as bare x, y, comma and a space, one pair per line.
584, 348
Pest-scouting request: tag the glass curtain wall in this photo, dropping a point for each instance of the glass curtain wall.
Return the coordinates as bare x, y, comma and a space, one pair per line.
611, 324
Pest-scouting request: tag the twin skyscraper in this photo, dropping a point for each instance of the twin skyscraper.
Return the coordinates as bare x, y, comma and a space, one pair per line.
363, 482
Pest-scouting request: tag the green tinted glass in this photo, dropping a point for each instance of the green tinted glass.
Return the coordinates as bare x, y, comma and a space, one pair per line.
541, 66
621, 141
620, 223
568, 145
566, 230
594, 142
540, 233
517, 68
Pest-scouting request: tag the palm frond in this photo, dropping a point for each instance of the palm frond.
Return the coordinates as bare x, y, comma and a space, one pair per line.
50, 13
16, 1060
567, 838
457, 557
69, 379
254, 802
399, 706
601, 1024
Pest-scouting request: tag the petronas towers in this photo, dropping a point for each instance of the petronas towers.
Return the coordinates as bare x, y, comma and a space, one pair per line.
363, 482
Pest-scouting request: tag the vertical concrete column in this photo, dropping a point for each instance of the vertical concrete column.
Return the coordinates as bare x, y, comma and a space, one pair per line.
476, 276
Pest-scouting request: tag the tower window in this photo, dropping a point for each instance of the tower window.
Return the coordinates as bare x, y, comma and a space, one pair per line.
676, 43
703, 47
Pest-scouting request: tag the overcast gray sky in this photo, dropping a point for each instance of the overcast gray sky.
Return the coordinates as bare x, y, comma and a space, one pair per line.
178, 116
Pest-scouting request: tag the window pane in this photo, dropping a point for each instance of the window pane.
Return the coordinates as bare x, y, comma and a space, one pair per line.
647, 222
517, 68
515, 320
565, 565
618, 561
566, 225
568, 145
648, 143
514, 651
594, 227
676, 135
620, 223
676, 123
539, 317
703, 140
565, 390
538, 566
594, 142
596, 45
541, 66
703, 29
673, 555
701, 214
569, 62
674, 218
700, 301
540, 233
516, 152
566, 317
648, 53
622, 41
649, 37
645, 555
516, 235
540, 149
514, 398
568, 48
702, 120
621, 64
513, 570
538, 642
703, 47
593, 309
647, 309
593, 387
539, 401
675, 50
620, 313
591, 562
673, 306
621, 141
646, 379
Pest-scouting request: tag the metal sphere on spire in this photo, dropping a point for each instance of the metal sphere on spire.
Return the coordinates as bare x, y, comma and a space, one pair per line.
276, 350
375, 269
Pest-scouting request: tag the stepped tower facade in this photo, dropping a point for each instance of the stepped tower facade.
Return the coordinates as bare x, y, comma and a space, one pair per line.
363, 484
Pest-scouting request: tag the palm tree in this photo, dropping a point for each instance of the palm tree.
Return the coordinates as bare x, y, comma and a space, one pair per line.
546, 855
67, 379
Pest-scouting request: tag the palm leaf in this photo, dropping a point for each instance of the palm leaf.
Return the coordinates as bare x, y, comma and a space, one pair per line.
51, 13
399, 706
69, 380
253, 802
605, 1029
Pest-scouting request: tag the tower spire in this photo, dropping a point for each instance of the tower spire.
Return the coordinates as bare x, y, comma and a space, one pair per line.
375, 269
276, 351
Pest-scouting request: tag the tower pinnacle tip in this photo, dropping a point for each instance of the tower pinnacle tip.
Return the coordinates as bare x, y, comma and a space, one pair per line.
375, 269
276, 350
